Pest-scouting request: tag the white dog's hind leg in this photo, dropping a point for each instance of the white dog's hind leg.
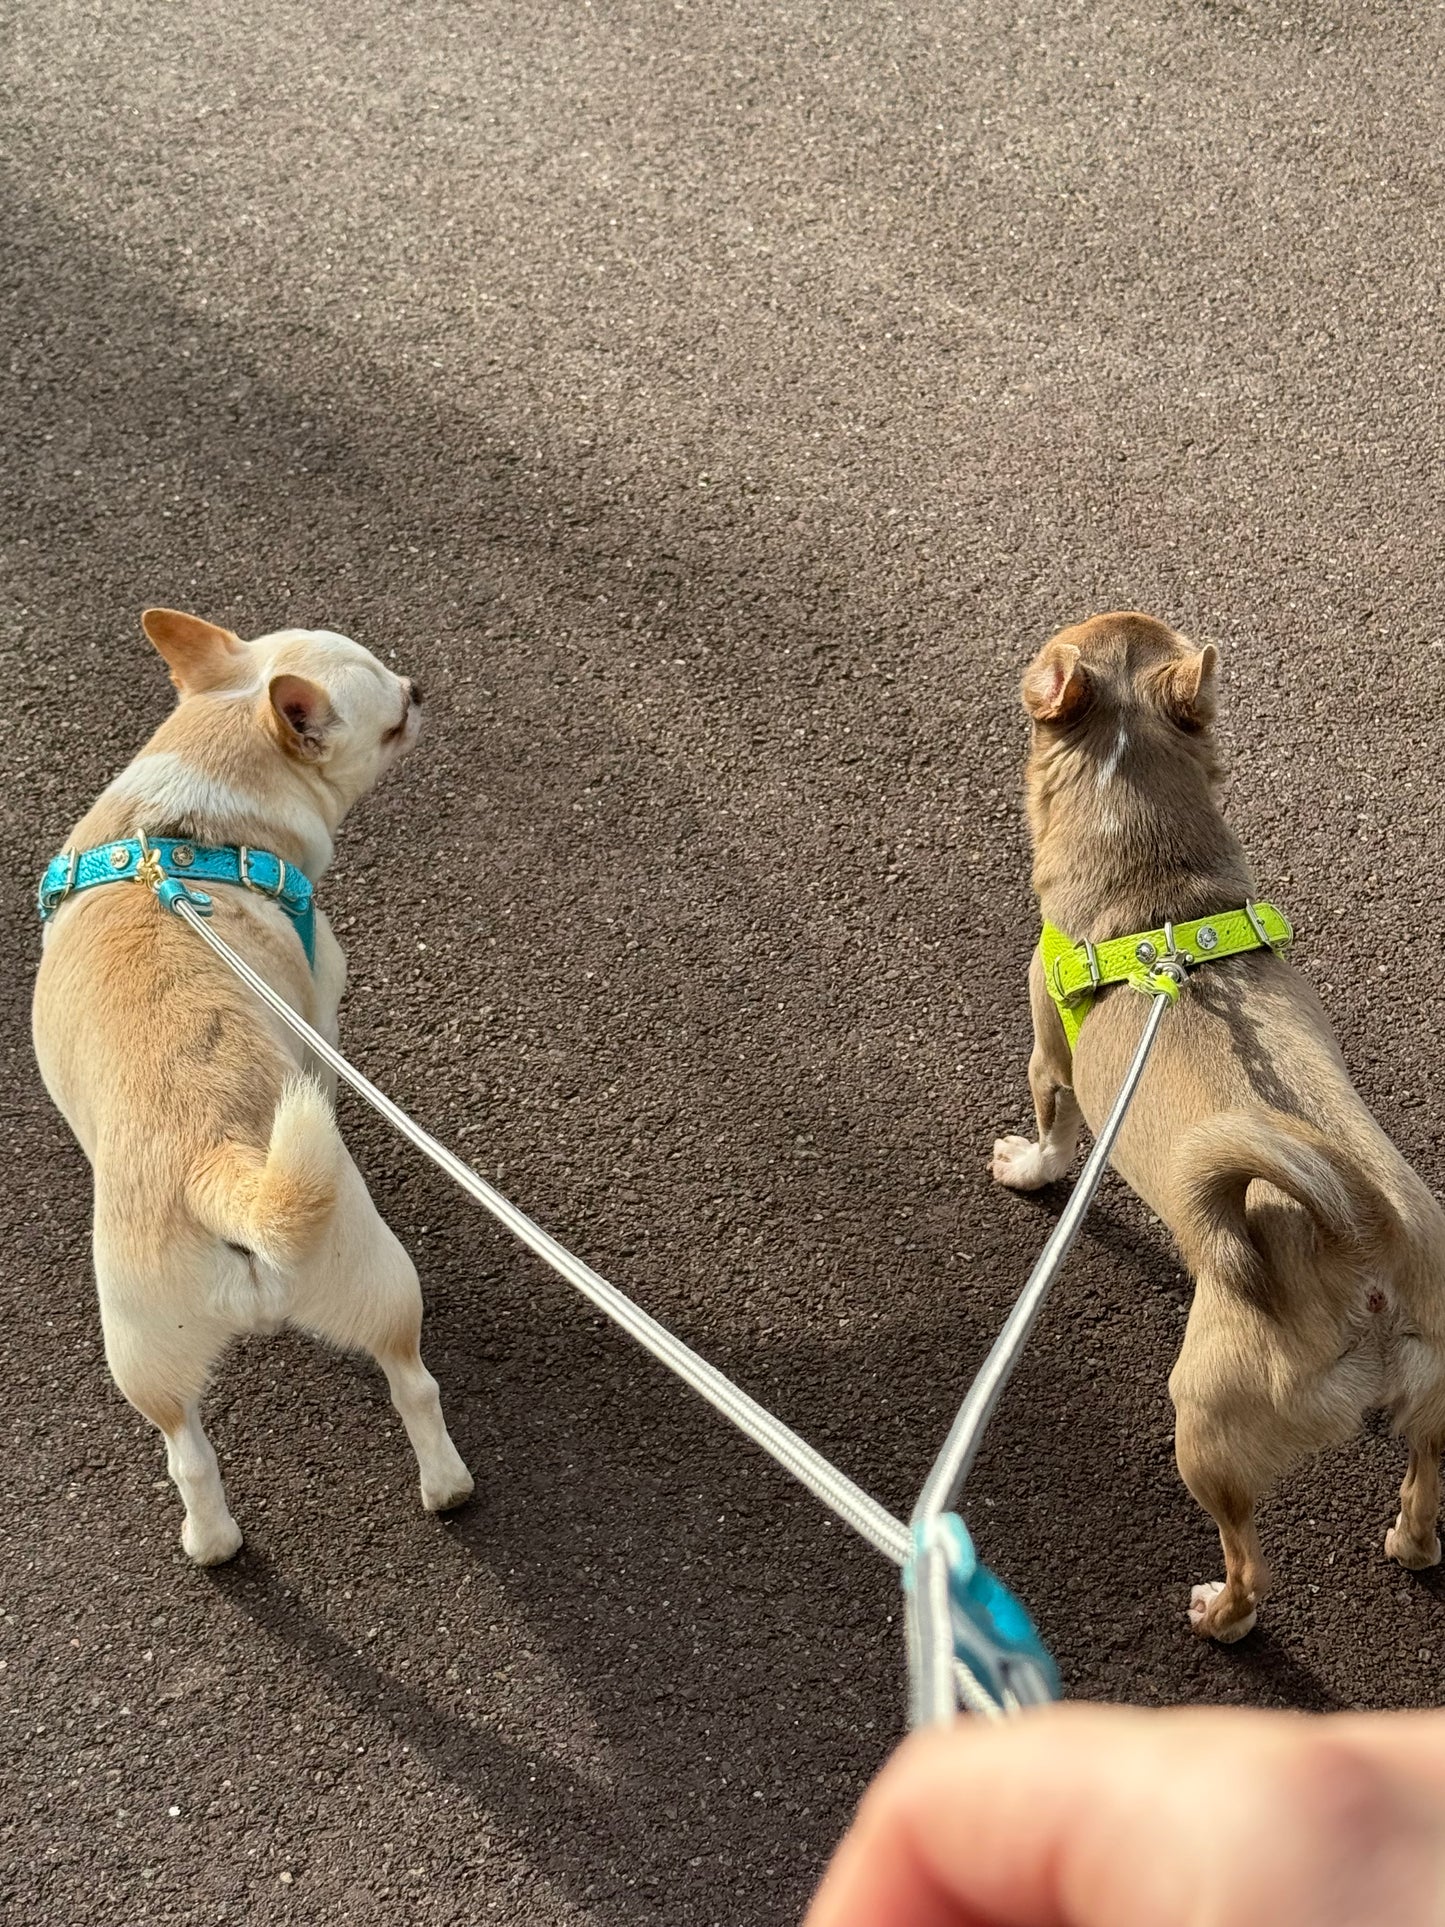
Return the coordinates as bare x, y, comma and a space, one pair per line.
210, 1535
445, 1480
162, 1365
362, 1293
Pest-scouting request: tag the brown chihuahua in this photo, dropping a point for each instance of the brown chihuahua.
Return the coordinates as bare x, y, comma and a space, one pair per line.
1318, 1256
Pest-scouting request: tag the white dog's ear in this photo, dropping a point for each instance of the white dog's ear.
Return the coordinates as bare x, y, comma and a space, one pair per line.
199, 655
1056, 684
303, 716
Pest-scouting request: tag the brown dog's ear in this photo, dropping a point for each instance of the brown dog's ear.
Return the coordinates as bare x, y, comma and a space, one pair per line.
199, 655
1186, 688
1056, 684
303, 716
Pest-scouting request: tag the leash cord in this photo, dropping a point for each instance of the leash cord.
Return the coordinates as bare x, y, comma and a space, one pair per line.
940, 1677
838, 1492
954, 1462
934, 1685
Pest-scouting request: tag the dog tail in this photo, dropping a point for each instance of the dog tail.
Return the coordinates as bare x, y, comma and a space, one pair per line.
1219, 1160
277, 1201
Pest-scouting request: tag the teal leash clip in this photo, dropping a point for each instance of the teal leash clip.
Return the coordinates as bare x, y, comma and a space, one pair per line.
170, 890
977, 1646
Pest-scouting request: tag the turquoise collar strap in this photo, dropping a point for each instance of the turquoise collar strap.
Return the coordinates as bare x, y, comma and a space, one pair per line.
1153, 961
169, 866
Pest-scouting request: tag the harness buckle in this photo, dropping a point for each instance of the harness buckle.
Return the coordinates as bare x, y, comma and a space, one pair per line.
53, 895
245, 855
1058, 990
1256, 924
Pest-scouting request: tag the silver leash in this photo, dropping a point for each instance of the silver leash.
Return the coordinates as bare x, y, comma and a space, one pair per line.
935, 1688
838, 1492
940, 1678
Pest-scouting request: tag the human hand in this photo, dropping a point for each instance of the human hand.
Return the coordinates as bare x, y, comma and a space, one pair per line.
1083, 1816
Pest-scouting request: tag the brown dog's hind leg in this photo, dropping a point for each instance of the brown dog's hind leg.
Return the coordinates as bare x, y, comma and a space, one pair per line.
1414, 1539
1022, 1165
1227, 1609
1230, 1446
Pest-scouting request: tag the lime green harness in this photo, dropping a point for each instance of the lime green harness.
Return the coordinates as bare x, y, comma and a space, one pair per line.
1154, 961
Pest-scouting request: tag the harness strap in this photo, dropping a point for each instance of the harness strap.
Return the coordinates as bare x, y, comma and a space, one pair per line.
169, 865
1153, 961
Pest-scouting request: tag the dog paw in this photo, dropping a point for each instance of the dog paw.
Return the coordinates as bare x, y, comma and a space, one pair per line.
1206, 1620
211, 1542
1408, 1552
1020, 1165
444, 1488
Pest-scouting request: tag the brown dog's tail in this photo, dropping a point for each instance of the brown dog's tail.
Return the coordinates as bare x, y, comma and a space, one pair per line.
1219, 1160
275, 1202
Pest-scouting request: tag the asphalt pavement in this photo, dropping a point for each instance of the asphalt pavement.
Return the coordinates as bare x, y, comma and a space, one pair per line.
714, 406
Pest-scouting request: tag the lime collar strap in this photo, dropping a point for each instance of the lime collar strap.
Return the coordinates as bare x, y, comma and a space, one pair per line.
1154, 961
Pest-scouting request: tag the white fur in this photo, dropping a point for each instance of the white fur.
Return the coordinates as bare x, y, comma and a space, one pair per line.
177, 790
1201, 1598
1109, 768
169, 1307
210, 1535
164, 778
1023, 1166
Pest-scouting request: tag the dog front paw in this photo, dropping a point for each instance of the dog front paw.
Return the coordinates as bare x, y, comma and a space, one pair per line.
1215, 1614
1020, 1165
1411, 1553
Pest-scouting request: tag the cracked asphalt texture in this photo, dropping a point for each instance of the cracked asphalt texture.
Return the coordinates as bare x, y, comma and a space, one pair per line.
714, 406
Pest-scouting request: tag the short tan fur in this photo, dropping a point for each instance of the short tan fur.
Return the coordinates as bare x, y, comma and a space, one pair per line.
1318, 1255
225, 1201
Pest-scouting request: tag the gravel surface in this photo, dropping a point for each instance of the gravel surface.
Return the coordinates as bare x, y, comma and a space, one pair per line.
713, 405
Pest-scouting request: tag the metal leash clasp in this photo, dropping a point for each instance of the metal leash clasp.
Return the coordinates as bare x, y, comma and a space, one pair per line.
1162, 975
169, 890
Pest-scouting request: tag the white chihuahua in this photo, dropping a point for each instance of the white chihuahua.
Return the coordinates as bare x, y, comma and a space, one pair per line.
225, 1201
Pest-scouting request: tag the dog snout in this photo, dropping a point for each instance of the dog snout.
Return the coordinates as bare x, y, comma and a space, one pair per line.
413, 690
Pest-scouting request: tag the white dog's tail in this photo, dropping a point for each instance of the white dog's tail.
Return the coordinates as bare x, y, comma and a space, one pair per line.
275, 1202
1222, 1156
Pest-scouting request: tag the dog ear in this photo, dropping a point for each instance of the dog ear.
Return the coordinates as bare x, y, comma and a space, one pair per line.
1056, 685
1187, 688
199, 655
302, 715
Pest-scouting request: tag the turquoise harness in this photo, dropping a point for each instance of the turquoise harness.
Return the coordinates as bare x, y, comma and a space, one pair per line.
169, 867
